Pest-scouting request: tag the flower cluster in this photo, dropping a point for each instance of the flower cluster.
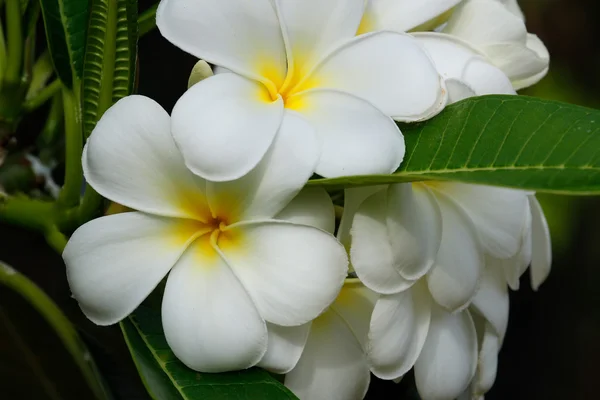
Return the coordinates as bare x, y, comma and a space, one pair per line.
257, 273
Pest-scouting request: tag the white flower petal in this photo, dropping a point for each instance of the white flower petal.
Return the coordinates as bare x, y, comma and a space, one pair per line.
312, 206
414, 223
293, 272
131, 159
487, 362
485, 78
242, 36
449, 53
356, 138
353, 198
454, 278
491, 300
403, 15
483, 22
456, 59
535, 44
285, 346
312, 27
269, 187
210, 321
371, 252
515, 266
333, 365
498, 214
390, 70
458, 90
355, 305
399, 327
541, 256
513, 7
521, 64
449, 357
114, 262
224, 125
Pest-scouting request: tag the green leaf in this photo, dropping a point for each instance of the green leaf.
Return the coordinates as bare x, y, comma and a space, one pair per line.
66, 24
166, 378
513, 141
110, 58
42, 355
147, 20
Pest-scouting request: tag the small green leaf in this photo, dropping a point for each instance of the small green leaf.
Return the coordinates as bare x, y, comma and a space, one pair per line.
110, 58
42, 354
66, 24
147, 20
166, 378
513, 141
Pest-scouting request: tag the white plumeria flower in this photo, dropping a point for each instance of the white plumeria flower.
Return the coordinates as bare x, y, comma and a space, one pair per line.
403, 15
423, 246
281, 57
427, 277
326, 358
500, 33
491, 31
235, 264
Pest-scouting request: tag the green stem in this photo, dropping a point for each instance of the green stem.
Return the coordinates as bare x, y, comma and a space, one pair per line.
147, 20
91, 206
27, 213
15, 41
43, 96
2, 53
70, 193
56, 239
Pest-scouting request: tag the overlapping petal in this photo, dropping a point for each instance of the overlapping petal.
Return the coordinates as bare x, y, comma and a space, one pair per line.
388, 69
403, 15
224, 125
242, 36
449, 357
114, 262
269, 187
284, 348
399, 327
131, 159
313, 27
292, 272
371, 252
333, 365
454, 279
502, 36
414, 223
541, 246
356, 138
204, 307
312, 206
456, 59
498, 214
491, 300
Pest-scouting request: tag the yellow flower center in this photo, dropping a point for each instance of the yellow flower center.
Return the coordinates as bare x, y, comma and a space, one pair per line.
293, 83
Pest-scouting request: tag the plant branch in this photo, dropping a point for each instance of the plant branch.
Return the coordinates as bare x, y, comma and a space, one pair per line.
147, 20
14, 35
43, 96
70, 193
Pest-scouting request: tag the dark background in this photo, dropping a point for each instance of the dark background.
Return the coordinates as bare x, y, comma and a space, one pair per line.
552, 347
